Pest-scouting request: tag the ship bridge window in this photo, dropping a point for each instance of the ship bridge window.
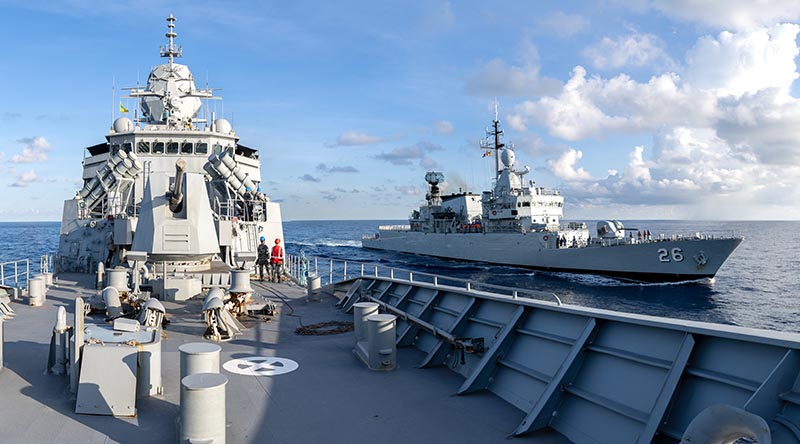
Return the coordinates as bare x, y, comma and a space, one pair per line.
172, 147
143, 147
526, 204
201, 148
186, 148
217, 148
114, 148
158, 147
127, 147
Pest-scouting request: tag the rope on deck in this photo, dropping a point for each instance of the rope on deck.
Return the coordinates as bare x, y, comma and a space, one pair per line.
325, 328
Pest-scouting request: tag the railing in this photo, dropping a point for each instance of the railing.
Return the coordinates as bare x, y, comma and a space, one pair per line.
15, 270
332, 271
394, 228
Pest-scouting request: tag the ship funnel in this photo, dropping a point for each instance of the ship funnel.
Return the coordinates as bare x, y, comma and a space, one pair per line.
176, 200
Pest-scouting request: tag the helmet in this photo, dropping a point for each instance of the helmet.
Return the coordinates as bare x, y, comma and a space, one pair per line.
277, 241
263, 238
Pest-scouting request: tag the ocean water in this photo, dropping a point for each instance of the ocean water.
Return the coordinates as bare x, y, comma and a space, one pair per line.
759, 285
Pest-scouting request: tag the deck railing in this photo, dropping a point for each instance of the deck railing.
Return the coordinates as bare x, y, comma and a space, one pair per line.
14, 273
332, 270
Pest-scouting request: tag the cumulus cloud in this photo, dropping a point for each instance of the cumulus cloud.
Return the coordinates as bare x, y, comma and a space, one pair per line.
630, 50
34, 151
726, 129
408, 155
443, 127
561, 24
593, 106
728, 14
564, 166
745, 62
323, 168
24, 179
309, 178
354, 138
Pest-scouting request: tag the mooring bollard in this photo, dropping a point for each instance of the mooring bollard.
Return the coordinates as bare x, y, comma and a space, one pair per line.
36, 290
361, 311
381, 338
313, 288
202, 417
199, 357
118, 278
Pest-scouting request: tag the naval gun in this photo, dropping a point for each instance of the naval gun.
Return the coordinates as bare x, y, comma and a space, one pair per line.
176, 197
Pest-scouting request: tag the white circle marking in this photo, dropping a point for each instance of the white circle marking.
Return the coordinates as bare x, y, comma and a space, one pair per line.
260, 366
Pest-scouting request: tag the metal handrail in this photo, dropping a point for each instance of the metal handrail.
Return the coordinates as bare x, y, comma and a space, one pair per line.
338, 268
18, 272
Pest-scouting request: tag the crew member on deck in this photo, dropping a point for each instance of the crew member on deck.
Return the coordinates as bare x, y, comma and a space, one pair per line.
276, 261
111, 248
263, 257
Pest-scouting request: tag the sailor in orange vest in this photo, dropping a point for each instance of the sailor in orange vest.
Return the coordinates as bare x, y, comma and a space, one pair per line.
276, 261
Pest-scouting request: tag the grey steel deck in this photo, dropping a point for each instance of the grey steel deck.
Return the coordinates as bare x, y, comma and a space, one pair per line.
331, 398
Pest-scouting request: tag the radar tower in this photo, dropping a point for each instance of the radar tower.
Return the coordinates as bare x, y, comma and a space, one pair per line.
171, 50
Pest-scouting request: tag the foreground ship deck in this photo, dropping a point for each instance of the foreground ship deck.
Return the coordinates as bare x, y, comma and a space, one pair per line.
331, 398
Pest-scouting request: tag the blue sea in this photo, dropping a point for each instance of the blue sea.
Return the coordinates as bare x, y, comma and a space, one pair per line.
759, 285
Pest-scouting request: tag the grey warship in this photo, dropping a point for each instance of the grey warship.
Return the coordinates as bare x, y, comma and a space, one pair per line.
520, 224
88, 355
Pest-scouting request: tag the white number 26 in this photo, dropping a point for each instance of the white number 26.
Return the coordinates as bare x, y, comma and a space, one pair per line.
664, 255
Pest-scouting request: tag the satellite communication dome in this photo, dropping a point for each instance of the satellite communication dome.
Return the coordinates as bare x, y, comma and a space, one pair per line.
123, 125
507, 157
223, 126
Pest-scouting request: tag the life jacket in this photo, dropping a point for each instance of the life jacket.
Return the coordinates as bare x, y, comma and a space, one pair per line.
277, 255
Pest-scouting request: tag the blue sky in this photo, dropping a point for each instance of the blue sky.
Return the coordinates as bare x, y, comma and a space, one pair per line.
638, 109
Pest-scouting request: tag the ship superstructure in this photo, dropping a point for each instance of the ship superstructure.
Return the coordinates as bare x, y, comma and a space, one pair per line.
519, 223
169, 182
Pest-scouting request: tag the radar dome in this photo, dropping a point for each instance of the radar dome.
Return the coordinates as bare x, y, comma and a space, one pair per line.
223, 126
123, 125
507, 157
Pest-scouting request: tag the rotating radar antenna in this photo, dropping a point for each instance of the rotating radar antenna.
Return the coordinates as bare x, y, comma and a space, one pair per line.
434, 178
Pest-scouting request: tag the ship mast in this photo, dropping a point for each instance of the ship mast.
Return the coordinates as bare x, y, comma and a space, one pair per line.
171, 50
492, 141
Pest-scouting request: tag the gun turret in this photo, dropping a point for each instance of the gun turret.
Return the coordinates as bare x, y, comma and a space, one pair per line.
176, 199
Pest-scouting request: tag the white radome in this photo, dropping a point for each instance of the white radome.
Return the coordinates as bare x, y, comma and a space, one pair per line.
507, 157
223, 126
123, 125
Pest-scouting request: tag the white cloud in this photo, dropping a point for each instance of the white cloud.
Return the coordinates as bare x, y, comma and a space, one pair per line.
496, 78
726, 130
24, 179
745, 62
34, 151
408, 190
564, 166
729, 14
562, 25
444, 127
352, 138
631, 50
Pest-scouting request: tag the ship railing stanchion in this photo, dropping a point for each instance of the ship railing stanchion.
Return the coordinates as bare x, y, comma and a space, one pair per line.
515, 294
410, 277
344, 273
330, 271
469, 286
391, 273
376, 271
436, 281
362, 269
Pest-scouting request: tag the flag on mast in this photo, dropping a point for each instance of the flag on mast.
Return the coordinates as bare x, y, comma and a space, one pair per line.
122, 108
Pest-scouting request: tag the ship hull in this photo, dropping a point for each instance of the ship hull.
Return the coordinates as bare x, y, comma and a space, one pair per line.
656, 261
